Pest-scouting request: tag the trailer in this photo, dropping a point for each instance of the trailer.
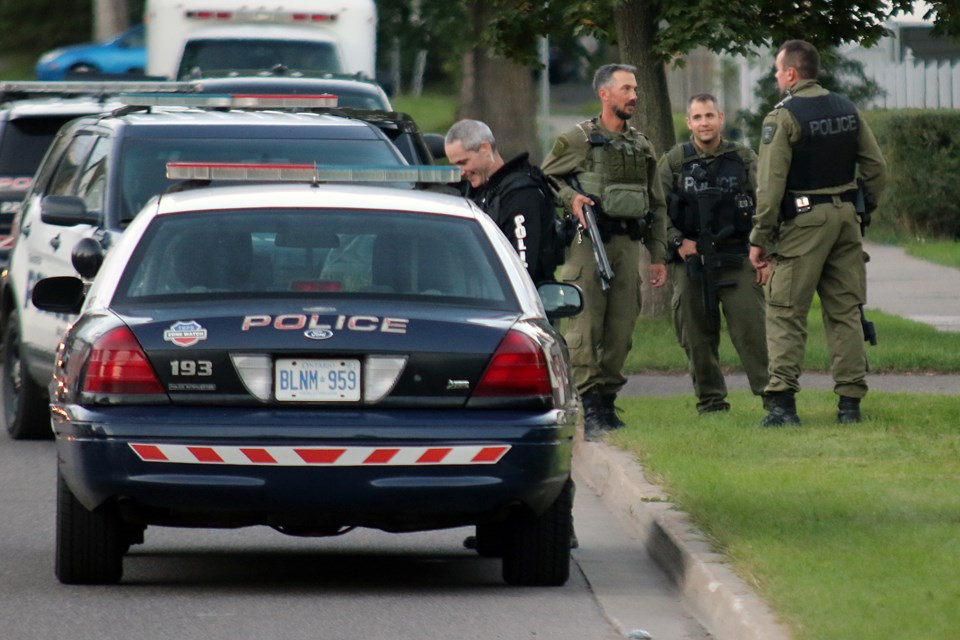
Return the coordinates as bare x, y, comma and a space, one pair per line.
203, 38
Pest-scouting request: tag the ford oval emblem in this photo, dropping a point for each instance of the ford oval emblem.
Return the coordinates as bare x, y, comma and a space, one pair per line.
318, 334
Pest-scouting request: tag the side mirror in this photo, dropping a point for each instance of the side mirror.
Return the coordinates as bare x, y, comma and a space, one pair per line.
560, 299
66, 211
87, 256
434, 142
61, 294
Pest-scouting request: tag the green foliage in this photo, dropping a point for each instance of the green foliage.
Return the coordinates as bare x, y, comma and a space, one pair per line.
683, 25
922, 149
35, 26
438, 26
849, 532
904, 346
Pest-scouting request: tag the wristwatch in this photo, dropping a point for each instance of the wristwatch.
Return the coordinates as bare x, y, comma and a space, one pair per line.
677, 241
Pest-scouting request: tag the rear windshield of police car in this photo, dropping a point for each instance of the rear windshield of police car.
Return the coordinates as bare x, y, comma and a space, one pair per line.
278, 253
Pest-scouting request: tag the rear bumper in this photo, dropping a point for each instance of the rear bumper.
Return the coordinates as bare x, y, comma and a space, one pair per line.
317, 470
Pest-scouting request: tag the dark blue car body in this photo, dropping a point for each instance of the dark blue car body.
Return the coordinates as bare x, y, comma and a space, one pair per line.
314, 358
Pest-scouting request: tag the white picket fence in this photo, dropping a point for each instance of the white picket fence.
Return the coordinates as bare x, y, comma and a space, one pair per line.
916, 84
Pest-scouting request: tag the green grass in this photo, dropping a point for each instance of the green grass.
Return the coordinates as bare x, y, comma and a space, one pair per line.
849, 532
945, 252
433, 113
903, 346
17, 66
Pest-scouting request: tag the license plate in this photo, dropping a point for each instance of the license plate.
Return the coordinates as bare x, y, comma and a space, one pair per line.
305, 380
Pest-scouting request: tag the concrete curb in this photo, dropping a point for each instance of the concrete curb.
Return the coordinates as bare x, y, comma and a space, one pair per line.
716, 597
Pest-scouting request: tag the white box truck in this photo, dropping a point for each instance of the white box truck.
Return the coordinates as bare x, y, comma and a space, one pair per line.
216, 37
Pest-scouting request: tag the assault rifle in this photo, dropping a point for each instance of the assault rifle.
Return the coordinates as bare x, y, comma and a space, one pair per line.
703, 267
593, 232
860, 204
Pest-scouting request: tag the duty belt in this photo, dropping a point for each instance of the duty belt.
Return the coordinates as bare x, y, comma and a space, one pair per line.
793, 204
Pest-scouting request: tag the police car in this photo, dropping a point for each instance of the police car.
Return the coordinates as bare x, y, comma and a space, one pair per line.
102, 169
312, 357
31, 114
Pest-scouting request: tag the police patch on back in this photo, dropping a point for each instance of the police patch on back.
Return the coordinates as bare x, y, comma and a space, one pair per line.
768, 132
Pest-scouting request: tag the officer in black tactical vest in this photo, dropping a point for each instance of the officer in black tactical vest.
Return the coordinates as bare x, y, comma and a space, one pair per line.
606, 163
514, 194
710, 269
814, 145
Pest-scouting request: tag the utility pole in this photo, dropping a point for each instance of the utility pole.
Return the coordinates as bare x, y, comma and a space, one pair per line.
110, 17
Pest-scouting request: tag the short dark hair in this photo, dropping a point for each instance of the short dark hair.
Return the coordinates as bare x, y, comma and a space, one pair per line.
802, 56
703, 97
605, 73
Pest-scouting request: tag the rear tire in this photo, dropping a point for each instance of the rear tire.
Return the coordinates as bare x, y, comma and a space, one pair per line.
26, 409
537, 550
90, 544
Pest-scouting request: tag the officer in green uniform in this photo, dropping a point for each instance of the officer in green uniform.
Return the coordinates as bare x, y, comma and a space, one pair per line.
814, 145
709, 162
615, 167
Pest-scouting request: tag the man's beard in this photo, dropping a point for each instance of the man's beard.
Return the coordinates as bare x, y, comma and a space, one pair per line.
623, 115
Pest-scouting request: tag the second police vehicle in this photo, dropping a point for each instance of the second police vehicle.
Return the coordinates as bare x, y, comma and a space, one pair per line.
101, 170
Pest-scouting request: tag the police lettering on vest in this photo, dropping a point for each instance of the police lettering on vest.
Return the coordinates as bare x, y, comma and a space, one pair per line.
728, 172
826, 154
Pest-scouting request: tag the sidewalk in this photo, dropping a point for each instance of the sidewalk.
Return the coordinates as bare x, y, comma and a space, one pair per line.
905, 286
723, 603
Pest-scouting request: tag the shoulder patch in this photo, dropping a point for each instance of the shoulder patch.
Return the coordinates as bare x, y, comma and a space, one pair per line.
560, 146
768, 131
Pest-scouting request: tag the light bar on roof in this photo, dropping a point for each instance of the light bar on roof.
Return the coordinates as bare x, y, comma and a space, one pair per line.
96, 87
311, 173
230, 101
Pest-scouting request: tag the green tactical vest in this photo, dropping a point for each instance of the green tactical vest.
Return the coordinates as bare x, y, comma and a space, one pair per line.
616, 172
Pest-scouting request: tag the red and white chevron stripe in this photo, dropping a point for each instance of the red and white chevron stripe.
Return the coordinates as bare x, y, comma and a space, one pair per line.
321, 456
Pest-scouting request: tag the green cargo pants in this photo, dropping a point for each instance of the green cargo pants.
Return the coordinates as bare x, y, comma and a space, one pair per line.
819, 251
742, 305
601, 336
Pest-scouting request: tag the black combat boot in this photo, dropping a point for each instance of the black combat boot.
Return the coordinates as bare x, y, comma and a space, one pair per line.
610, 411
783, 411
594, 418
848, 410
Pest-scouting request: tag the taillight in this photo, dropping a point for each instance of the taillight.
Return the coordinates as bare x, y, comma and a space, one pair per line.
118, 365
518, 368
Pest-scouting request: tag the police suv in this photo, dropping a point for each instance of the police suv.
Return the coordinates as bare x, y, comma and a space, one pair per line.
101, 170
312, 357
27, 127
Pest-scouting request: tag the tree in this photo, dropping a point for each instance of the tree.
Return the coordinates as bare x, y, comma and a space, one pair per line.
651, 33
110, 17
654, 32
34, 26
497, 90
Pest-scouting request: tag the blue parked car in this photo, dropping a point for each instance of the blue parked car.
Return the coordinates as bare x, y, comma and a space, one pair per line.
122, 54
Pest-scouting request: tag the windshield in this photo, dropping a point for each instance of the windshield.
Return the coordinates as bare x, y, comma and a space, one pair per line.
274, 253
143, 170
25, 140
222, 54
